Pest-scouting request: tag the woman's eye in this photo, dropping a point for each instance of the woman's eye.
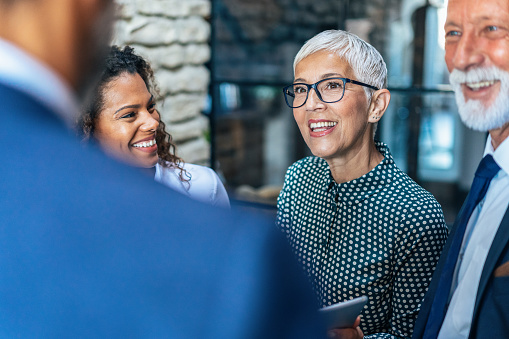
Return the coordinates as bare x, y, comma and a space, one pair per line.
334, 85
300, 89
492, 28
151, 107
128, 115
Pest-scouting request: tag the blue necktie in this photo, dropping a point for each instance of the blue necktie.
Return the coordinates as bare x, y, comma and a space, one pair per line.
485, 172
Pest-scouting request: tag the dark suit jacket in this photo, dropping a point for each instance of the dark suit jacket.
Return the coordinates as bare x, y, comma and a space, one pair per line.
491, 310
91, 248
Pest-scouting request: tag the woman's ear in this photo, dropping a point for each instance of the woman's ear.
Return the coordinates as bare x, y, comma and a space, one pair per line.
379, 103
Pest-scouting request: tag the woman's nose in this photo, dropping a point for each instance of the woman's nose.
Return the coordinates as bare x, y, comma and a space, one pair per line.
150, 121
313, 101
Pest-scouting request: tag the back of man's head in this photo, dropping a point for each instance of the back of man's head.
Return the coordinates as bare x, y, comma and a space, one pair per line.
68, 36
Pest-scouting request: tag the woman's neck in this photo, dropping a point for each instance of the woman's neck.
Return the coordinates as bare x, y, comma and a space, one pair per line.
355, 164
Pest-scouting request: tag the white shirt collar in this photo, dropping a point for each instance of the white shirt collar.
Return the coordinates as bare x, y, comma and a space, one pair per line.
501, 154
25, 73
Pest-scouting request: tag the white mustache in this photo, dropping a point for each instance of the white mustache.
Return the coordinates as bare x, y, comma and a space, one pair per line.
475, 75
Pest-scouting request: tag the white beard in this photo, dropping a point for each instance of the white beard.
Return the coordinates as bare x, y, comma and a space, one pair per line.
473, 112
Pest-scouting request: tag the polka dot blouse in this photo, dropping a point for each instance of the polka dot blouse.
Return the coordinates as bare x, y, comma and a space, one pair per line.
379, 235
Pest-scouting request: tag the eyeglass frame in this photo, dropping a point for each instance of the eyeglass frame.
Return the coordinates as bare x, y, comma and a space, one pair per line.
314, 86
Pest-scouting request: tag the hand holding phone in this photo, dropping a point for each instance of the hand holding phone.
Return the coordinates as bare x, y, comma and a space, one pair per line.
343, 314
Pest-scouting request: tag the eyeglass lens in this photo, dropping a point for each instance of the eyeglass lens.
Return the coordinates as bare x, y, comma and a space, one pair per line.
329, 90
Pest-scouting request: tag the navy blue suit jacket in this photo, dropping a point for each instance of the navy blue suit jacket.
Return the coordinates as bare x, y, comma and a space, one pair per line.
92, 248
491, 310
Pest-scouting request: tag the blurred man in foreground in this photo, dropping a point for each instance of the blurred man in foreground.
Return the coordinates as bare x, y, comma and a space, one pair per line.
91, 249
468, 295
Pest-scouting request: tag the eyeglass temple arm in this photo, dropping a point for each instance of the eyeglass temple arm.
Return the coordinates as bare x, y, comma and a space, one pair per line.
362, 84
287, 92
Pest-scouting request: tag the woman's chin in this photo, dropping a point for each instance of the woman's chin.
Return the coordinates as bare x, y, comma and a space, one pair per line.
323, 153
148, 164
141, 162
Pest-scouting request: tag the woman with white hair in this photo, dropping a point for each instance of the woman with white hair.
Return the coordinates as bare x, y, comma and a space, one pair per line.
359, 225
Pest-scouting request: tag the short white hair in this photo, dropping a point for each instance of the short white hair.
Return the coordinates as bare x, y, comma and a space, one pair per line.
366, 62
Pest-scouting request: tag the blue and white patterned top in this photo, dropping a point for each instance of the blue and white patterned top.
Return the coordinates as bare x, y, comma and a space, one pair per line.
379, 235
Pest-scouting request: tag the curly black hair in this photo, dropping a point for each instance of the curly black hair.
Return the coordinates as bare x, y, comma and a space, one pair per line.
118, 62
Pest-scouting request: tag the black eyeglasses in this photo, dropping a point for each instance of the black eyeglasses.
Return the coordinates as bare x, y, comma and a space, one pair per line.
328, 90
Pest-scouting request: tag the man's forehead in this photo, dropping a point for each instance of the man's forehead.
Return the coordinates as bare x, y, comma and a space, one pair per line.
481, 9
474, 6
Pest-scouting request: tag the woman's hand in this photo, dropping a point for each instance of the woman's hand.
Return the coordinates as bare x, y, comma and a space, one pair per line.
347, 333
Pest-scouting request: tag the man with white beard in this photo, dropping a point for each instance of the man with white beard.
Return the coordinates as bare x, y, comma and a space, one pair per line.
468, 296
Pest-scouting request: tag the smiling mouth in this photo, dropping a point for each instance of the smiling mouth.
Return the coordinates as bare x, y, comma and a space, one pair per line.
477, 86
145, 143
322, 126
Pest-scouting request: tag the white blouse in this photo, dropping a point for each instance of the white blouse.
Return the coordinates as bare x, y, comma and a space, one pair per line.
204, 185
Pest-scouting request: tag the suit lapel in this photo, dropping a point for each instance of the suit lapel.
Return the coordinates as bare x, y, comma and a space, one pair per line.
499, 243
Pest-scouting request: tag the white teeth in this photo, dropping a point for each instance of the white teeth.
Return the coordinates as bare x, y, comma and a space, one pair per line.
481, 84
322, 126
146, 144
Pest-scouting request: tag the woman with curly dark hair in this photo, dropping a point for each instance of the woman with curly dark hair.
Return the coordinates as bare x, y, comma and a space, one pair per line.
122, 118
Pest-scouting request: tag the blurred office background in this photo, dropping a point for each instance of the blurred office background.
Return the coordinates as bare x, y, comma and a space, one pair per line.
221, 65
